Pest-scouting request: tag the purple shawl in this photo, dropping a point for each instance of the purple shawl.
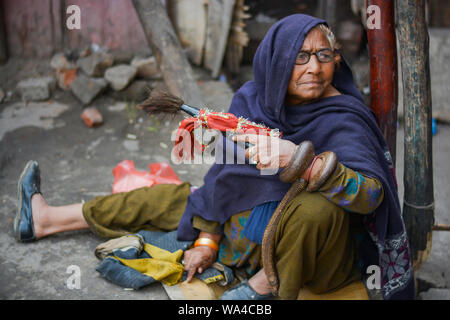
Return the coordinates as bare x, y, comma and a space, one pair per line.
342, 124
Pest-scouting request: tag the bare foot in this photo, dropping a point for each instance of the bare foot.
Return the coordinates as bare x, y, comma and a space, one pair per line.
259, 283
38, 208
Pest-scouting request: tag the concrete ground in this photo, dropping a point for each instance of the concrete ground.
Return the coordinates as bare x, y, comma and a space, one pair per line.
76, 163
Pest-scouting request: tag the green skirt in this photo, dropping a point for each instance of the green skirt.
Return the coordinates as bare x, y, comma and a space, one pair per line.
314, 243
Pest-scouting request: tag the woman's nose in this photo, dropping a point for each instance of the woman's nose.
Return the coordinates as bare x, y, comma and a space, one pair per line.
313, 64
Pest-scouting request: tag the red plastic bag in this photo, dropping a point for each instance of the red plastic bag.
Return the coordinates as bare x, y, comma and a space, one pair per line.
127, 178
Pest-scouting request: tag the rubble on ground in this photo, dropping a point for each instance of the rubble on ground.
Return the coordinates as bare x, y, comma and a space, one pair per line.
89, 73
147, 67
95, 64
92, 117
36, 89
119, 77
86, 88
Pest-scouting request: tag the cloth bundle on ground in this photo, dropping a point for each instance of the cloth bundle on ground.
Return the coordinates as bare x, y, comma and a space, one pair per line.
137, 260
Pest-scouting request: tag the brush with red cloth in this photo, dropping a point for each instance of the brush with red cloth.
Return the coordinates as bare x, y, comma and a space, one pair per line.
162, 102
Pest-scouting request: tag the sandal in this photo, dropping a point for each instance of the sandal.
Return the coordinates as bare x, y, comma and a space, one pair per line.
28, 185
243, 291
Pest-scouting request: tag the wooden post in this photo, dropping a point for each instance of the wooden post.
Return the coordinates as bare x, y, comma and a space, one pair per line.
189, 22
327, 10
220, 14
174, 66
57, 14
418, 208
3, 46
383, 71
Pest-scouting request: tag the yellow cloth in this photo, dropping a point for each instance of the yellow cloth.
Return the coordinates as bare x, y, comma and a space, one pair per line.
164, 265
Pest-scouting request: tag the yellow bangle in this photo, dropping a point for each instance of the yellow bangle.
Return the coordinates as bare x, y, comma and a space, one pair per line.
206, 242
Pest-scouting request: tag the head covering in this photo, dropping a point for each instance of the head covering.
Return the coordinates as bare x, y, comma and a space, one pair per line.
342, 124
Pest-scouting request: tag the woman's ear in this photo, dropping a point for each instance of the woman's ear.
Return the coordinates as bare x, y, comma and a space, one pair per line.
337, 60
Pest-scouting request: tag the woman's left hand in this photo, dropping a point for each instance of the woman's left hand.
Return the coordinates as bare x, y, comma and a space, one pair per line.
267, 152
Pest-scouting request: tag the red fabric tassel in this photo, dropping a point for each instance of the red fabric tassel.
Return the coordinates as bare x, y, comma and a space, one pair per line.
185, 144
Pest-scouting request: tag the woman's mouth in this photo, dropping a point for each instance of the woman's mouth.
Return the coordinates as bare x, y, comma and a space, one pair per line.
311, 83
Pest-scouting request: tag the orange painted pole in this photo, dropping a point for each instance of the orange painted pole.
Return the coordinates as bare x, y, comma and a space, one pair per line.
383, 68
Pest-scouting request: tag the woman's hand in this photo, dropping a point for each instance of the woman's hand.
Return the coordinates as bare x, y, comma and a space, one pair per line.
198, 259
201, 257
267, 152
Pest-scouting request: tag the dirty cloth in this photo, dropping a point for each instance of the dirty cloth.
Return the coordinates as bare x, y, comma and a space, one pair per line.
137, 260
315, 247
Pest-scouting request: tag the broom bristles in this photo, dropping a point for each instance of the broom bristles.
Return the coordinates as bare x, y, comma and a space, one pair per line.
160, 101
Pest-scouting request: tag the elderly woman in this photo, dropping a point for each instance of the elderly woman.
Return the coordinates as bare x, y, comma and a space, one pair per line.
326, 238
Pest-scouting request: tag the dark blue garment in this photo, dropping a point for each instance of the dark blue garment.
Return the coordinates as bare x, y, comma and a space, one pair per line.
232, 188
258, 220
342, 124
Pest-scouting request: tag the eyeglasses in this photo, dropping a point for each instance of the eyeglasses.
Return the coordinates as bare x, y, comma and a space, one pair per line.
324, 55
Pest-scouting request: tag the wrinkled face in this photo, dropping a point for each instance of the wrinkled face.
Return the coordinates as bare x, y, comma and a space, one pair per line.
311, 81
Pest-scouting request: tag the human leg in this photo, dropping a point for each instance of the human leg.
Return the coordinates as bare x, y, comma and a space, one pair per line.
49, 220
314, 247
259, 283
112, 215
34, 218
158, 207
236, 251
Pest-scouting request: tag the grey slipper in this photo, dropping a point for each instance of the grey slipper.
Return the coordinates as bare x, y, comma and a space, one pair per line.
243, 291
28, 185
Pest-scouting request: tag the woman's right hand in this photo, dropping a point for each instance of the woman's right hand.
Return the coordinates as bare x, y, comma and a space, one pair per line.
198, 259
267, 152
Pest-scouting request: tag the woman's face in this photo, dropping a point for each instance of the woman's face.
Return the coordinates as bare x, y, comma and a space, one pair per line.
312, 80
